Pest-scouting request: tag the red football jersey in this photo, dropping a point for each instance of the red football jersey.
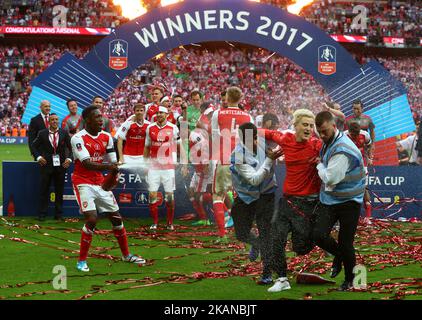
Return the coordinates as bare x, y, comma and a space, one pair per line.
225, 123
162, 142
364, 121
301, 174
86, 146
135, 135
205, 118
170, 118
151, 109
199, 147
362, 141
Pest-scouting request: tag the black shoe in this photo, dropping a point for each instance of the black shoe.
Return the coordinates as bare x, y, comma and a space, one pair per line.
346, 286
265, 280
336, 267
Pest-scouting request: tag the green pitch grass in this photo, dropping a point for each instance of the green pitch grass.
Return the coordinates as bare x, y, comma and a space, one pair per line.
186, 264
9, 152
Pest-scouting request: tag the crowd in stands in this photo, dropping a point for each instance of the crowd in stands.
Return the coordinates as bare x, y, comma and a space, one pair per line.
80, 13
270, 83
384, 18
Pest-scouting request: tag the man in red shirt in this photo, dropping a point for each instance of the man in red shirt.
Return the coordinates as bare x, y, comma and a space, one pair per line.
171, 116
177, 104
224, 124
363, 141
200, 146
90, 148
161, 153
133, 132
300, 192
364, 121
152, 108
108, 125
72, 123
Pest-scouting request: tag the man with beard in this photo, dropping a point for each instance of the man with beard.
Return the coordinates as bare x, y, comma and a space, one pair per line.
343, 186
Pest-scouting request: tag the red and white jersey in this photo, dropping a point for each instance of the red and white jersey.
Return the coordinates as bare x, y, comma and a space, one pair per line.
171, 117
176, 110
162, 142
199, 146
205, 118
134, 134
225, 123
362, 141
150, 110
301, 174
94, 148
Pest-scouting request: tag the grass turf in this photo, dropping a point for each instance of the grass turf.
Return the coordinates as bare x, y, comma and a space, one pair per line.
10, 152
186, 264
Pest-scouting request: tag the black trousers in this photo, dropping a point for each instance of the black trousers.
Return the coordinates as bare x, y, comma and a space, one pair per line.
347, 214
294, 215
260, 211
49, 175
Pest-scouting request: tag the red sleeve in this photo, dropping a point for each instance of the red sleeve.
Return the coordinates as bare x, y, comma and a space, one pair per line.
318, 145
272, 135
346, 121
64, 122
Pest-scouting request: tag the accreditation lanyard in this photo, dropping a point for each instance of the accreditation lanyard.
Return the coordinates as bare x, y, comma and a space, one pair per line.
56, 157
55, 140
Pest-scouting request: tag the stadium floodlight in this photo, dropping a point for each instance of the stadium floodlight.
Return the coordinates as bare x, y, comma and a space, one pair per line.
169, 2
131, 9
298, 6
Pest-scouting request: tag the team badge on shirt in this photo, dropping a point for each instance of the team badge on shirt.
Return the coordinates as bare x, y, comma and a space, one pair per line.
79, 147
327, 60
118, 54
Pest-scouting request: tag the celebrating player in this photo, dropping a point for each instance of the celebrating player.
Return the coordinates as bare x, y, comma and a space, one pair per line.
90, 146
152, 108
108, 125
133, 132
363, 141
171, 116
364, 121
200, 146
72, 123
225, 123
161, 151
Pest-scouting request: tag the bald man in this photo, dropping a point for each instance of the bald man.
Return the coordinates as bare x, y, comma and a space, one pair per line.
38, 123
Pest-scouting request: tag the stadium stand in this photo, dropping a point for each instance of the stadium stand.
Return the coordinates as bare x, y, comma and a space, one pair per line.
271, 83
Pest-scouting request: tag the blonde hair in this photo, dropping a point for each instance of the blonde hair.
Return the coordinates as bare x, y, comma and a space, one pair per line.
234, 94
301, 113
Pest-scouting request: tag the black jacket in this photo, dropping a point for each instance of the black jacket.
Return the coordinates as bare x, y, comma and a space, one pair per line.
36, 125
42, 147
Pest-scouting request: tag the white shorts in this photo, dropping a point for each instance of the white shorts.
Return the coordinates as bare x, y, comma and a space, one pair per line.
133, 159
201, 180
166, 177
93, 198
222, 181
